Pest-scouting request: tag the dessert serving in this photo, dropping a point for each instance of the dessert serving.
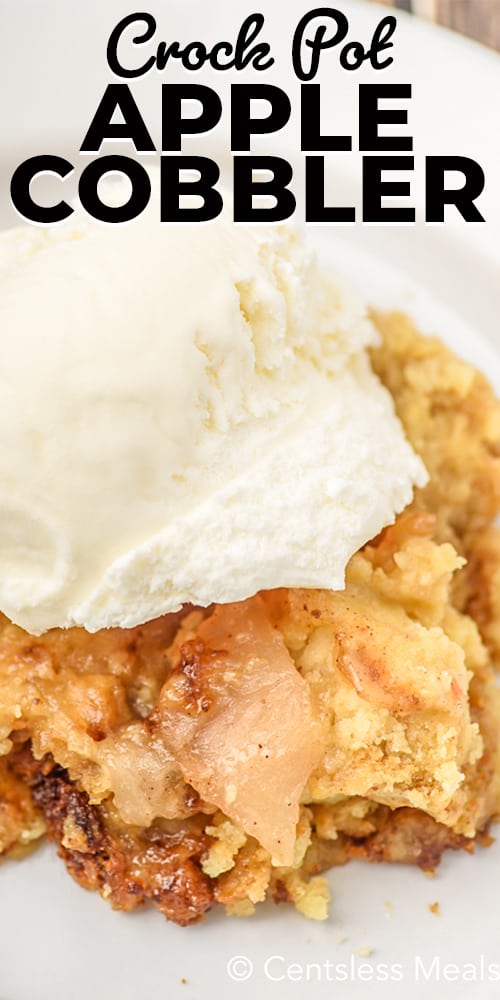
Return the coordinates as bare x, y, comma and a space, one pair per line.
250, 571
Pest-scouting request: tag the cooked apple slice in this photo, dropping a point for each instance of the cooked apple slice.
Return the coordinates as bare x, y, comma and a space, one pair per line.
239, 720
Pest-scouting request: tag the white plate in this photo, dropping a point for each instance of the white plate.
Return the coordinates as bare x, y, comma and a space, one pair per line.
58, 941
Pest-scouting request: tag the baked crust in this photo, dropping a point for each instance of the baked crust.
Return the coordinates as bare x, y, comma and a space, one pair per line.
398, 668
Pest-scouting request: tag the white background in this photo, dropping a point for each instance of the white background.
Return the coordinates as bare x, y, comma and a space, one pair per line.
56, 940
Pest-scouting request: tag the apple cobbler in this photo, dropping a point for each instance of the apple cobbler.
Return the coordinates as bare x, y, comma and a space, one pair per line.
235, 753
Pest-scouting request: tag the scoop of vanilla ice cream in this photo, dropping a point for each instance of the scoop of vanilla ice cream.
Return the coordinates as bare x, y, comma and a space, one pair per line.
188, 415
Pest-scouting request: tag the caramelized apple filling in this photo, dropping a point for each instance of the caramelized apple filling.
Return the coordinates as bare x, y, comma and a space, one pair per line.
228, 754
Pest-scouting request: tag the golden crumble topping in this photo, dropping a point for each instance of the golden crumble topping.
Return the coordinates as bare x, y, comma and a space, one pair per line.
158, 758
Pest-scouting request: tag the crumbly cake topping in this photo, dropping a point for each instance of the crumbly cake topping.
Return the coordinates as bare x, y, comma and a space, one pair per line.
109, 740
